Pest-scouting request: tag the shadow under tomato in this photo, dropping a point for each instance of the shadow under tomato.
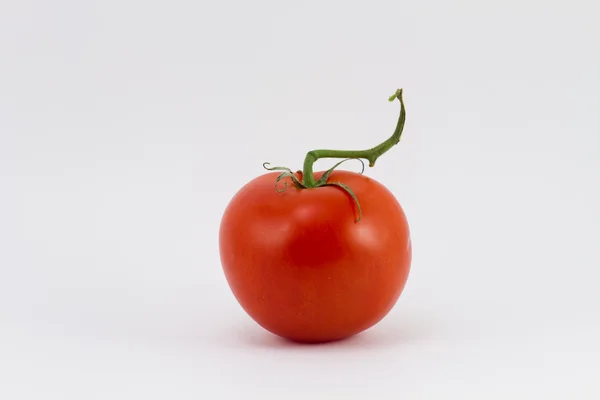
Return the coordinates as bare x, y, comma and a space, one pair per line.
384, 335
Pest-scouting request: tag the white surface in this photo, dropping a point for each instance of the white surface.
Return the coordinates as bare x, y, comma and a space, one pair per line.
126, 127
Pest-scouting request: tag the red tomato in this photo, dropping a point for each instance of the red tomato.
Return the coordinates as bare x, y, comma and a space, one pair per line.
302, 267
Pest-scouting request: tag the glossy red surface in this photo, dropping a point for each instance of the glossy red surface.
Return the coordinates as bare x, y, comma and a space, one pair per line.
302, 268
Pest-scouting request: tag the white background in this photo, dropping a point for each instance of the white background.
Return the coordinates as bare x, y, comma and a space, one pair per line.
126, 126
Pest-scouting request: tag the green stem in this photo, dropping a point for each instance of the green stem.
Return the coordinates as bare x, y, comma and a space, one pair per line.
372, 154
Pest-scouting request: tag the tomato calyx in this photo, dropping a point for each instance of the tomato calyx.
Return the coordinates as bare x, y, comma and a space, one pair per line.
307, 178
323, 181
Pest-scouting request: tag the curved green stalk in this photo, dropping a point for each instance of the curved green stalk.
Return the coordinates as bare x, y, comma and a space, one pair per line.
372, 154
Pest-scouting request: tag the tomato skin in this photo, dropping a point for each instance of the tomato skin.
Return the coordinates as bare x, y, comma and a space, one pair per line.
302, 268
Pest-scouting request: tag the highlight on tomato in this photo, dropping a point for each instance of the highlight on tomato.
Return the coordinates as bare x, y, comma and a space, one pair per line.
317, 256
